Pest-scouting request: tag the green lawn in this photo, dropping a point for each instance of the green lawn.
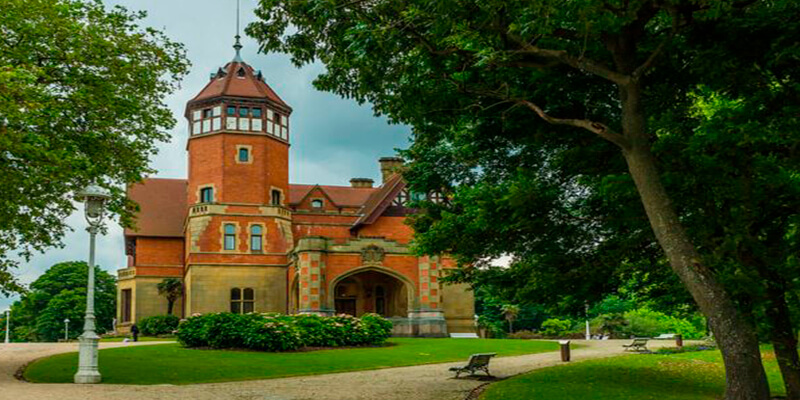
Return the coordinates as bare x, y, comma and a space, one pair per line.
170, 363
686, 376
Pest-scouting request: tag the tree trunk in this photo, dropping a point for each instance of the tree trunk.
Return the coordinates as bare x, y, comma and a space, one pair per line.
745, 377
170, 303
784, 341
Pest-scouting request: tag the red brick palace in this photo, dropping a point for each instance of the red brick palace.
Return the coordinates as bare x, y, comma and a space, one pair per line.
243, 239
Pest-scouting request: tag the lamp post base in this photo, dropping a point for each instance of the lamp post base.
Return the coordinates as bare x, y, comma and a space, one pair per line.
87, 366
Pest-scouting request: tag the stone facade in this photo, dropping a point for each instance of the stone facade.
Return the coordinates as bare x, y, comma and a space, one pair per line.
243, 239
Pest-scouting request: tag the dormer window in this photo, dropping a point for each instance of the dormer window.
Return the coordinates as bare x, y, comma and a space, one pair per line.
317, 203
240, 73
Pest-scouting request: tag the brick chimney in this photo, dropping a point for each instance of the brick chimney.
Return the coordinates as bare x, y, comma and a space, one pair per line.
361, 183
389, 165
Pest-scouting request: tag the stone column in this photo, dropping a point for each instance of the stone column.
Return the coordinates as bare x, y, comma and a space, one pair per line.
311, 264
428, 320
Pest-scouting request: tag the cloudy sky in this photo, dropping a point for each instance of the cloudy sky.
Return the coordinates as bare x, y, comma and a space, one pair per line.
333, 139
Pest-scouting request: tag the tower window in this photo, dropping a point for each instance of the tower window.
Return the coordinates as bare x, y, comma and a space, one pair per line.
276, 197
207, 113
317, 203
231, 110
230, 237
256, 238
278, 119
244, 111
207, 195
244, 154
256, 113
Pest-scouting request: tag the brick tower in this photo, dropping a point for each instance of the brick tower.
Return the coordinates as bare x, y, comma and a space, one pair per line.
238, 230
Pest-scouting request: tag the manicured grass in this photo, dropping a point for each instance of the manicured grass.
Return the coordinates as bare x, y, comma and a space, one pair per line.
141, 339
170, 363
686, 376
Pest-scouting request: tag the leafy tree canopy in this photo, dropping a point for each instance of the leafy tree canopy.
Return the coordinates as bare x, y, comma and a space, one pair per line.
58, 294
82, 90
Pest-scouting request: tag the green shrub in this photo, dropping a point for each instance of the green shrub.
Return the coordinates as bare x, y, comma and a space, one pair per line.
271, 334
647, 323
555, 327
276, 332
158, 325
525, 335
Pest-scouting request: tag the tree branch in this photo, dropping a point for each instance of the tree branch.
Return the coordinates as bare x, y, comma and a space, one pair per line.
597, 128
579, 63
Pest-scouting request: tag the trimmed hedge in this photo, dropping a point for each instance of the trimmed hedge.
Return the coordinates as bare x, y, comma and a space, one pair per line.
277, 332
158, 325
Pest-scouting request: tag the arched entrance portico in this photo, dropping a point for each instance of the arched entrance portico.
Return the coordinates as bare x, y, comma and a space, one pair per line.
372, 290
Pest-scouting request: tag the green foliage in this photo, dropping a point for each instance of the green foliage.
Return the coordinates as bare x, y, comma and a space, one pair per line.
276, 332
82, 90
556, 327
647, 323
58, 294
158, 325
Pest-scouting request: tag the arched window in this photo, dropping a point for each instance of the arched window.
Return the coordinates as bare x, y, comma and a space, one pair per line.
256, 238
243, 300
248, 302
236, 300
317, 203
230, 237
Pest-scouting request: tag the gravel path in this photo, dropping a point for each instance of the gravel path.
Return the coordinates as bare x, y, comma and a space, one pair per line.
423, 382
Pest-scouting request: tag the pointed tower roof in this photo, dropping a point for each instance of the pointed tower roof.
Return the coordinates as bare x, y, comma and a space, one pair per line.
238, 79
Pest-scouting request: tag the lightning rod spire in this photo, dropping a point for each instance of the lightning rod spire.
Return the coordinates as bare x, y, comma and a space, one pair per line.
238, 44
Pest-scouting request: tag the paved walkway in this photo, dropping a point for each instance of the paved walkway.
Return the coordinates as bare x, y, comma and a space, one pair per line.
423, 382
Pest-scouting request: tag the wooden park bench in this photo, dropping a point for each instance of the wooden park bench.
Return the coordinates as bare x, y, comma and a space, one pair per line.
477, 362
638, 344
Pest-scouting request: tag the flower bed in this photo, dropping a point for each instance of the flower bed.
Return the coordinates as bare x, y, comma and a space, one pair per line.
277, 332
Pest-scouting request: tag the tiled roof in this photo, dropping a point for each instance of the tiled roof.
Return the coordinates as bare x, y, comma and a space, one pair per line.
229, 83
380, 200
342, 196
162, 204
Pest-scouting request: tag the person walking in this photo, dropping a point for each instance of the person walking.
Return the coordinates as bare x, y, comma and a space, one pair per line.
135, 332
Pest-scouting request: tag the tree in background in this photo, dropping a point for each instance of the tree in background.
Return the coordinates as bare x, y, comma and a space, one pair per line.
172, 290
58, 294
82, 90
510, 312
477, 79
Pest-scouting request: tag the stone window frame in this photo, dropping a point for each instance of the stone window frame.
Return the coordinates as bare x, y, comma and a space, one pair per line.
236, 234
283, 196
213, 193
249, 154
250, 236
241, 301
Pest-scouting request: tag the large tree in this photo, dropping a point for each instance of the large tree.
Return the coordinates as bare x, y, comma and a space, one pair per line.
462, 72
82, 90
59, 294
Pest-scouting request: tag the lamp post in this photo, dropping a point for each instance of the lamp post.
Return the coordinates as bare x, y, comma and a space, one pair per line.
66, 329
8, 325
94, 197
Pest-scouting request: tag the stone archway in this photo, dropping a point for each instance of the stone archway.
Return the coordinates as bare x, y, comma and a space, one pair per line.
372, 290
